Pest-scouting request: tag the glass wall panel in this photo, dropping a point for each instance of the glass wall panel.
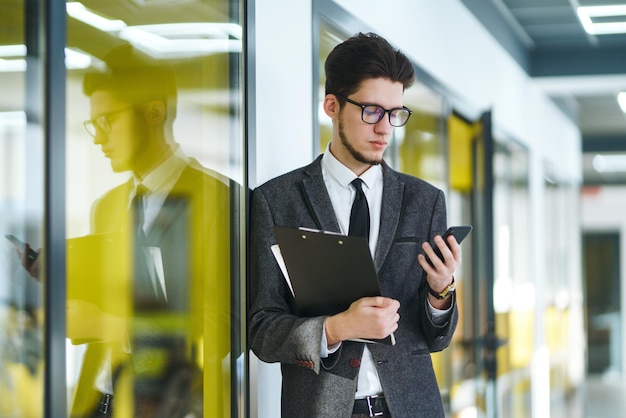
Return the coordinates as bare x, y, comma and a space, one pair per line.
154, 162
563, 310
329, 37
514, 298
419, 146
465, 371
21, 214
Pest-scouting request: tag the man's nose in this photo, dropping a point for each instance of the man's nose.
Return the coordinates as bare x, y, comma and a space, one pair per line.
383, 126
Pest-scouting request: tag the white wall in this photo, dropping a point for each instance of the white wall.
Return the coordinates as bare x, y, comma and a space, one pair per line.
284, 93
284, 136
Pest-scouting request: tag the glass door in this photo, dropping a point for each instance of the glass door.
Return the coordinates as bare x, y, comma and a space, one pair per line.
514, 291
122, 167
23, 316
467, 176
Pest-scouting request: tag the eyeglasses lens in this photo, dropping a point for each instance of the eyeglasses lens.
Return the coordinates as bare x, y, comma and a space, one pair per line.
104, 124
398, 117
101, 124
373, 115
90, 127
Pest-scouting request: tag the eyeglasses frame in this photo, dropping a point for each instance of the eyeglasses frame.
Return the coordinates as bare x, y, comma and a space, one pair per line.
98, 122
382, 115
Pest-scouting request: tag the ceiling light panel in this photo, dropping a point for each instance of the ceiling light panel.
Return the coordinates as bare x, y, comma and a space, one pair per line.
603, 20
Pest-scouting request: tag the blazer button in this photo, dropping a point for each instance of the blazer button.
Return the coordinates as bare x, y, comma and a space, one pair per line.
355, 363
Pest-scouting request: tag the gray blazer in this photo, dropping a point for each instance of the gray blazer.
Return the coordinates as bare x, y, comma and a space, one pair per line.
413, 211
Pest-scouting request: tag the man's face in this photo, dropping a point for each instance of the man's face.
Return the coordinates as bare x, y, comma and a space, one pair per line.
357, 144
127, 137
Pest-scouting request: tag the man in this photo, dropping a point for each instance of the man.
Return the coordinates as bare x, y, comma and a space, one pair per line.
157, 341
324, 373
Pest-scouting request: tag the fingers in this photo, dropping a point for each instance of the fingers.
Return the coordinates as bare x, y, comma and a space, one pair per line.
379, 302
380, 309
450, 255
382, 320
32, 266
369, 317
454, 248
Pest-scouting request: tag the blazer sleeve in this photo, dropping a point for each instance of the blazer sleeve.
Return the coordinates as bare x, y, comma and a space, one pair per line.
275, 333
438, 336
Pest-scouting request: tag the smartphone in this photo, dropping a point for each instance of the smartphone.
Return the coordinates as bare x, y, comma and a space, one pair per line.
19, 245
459, 233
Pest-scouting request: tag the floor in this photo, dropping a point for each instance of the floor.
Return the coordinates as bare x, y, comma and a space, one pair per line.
605, 397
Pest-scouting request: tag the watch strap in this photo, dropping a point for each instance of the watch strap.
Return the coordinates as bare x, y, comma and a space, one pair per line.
445, 292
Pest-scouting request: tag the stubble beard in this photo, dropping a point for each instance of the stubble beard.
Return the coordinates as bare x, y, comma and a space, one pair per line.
353, 152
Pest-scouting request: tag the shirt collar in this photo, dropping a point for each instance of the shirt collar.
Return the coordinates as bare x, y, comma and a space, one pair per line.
344, 175
164, 172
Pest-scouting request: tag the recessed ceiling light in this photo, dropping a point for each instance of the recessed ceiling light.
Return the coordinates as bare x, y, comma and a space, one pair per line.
184, 40
603, 20
80, 12
12, 51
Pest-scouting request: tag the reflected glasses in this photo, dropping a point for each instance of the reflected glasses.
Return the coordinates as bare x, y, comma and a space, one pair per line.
102, 123
372, 114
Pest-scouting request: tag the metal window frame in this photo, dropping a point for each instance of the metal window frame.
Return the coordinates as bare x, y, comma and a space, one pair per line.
49, 32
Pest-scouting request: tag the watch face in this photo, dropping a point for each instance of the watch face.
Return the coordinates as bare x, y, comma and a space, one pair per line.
445, 292
451, 288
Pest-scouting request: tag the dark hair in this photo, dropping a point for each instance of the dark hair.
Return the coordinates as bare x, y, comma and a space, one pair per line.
362, 57
134, 78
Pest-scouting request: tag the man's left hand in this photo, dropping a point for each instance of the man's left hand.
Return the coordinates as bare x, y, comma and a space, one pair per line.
440, 274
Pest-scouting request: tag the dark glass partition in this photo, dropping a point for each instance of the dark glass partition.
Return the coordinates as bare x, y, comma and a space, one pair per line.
23, 316
121, 155
154, 168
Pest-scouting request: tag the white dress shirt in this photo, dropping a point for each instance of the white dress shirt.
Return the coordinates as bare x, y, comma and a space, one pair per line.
337, 178
159, 182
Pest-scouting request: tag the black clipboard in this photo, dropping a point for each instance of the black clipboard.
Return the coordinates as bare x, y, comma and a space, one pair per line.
327, 271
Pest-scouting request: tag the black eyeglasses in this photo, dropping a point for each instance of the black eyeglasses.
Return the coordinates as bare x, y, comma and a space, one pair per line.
102, 123
372, 114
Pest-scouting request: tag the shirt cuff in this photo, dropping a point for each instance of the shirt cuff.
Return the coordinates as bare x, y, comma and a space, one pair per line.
439, 316
325, 351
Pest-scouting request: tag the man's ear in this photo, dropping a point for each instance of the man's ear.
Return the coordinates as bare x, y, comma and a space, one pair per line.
331, 106
155, 112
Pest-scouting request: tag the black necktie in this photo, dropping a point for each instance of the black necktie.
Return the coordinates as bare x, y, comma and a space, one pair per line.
138, 209
360, 214
147, 290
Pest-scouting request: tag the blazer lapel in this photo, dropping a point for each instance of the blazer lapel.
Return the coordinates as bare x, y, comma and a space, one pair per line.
393, 191
321, 209
317, 199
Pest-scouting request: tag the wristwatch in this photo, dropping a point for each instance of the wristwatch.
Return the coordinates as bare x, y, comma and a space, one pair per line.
445, 292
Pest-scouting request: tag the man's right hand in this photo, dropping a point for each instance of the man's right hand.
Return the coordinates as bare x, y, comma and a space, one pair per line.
370, 318
33, 267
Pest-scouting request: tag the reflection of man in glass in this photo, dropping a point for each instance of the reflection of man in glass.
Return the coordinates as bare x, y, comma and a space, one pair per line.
164, 358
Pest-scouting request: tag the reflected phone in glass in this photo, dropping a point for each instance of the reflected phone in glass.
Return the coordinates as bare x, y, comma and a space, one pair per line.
20, 246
